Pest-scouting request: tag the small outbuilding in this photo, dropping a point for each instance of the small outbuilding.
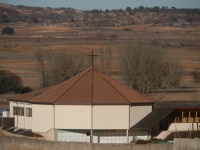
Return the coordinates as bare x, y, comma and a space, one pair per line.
90, 107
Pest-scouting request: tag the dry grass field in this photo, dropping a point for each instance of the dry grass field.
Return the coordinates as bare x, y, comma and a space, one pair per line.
17, 51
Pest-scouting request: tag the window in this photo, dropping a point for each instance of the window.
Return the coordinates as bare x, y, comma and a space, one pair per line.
14, 110
20, 111
28, 112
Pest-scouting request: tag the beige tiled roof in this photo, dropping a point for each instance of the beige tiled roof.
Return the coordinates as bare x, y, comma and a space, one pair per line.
91, 87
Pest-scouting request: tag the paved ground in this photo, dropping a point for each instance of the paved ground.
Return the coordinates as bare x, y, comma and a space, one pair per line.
1, 134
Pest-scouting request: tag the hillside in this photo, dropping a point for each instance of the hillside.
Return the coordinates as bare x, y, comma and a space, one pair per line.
98, 18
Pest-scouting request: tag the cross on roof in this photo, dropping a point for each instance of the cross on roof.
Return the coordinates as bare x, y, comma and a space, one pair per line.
92, 58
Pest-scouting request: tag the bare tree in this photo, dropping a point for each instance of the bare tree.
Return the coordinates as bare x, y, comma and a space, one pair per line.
108, 58
59, 68
41, 68
196, 76
64, 66
102, 58
148, 66
105, 58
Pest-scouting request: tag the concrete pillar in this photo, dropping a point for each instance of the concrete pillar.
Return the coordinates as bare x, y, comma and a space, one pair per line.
196, 117
182, 116
127, 137
91, 136
175, 117
189, 118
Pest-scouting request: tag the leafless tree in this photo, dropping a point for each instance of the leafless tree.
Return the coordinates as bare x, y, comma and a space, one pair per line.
102, 58
59, 66
63, 66
105, 58
41, 68
148, 66
196, 76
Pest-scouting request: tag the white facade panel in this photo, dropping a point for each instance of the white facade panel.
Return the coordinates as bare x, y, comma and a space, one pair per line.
42, 118
12, 104
72, 117
137, 113
21, 121
28, 122
111, 117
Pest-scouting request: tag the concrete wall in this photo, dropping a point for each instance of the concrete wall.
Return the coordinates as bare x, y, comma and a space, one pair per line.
72, 117
186, 144
138, 112
183, 126
15, 143
42, 118
21, 121
111, 117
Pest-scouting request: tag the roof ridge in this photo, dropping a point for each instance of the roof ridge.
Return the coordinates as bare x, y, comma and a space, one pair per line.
112, 85
86, 71
126, 86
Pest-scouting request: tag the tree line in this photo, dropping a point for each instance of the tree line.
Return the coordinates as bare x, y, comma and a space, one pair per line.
96, 18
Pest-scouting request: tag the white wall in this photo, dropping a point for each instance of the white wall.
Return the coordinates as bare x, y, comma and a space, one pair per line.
111, 117
6, 114
42, 118
21, 121
138, 112
72, 117
183, 127
11, 107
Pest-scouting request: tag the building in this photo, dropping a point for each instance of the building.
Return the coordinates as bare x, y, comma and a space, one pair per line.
90, 107
4, 112
170, 117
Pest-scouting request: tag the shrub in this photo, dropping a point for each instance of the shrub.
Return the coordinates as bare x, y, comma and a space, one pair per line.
26, 89
7, 30
35, 20
126, 29
113, 36
10, 82
142, 142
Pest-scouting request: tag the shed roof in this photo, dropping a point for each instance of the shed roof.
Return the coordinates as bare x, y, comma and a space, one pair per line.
90, 87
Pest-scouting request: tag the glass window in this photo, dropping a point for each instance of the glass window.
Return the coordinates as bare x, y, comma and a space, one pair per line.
28, 112
20, 111
14, 110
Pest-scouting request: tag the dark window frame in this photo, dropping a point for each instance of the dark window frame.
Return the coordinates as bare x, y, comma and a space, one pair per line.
28, 112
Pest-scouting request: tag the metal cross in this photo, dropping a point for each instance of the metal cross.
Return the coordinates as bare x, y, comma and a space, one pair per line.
92, 58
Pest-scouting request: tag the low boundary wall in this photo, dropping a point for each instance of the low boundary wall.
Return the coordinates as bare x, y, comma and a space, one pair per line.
186, 144
22, 143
